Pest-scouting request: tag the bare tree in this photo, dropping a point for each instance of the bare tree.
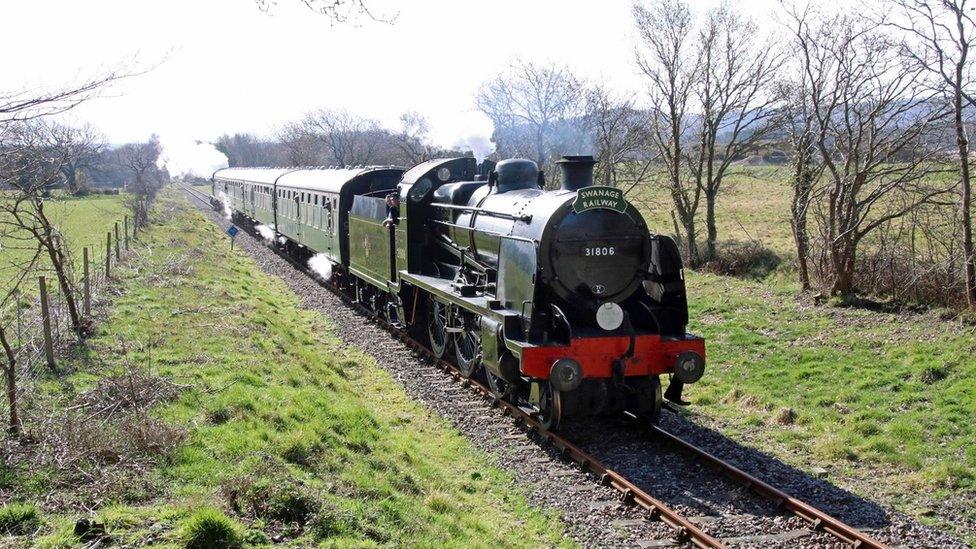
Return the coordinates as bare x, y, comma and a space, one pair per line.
10, 378
797, 118
938, 36
30, 167
81, 145
145, 178
412, 139
31, 162
618, 132
32, 103
736, 101
667, 56
301, 146
872, 118
535, 110
337, 11
350, 139
244, 149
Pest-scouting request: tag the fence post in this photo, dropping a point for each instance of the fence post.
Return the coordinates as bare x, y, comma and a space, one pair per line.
118, 251
108, 254
87, 283
126, 232
46, 320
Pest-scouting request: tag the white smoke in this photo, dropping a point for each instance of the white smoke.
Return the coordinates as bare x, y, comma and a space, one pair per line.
266, 232
467, 130
228, 213
184, 158
321, 265
479, 144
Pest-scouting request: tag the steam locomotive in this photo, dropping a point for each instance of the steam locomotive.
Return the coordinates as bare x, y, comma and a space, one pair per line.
562, 300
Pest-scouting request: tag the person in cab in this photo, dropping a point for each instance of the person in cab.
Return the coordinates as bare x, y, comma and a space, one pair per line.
392, 210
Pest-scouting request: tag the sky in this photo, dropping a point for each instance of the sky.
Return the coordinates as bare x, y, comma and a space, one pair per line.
224, 66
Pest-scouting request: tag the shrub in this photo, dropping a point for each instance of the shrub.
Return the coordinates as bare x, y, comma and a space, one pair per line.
933, 373
894, 272
273, 498
287, 501
210, 528
742, 259
785, 416
219, 416
330, 521
19, 519
299, 453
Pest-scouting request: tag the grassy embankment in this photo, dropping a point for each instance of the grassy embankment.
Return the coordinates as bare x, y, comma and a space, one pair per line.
883, 398
289, 435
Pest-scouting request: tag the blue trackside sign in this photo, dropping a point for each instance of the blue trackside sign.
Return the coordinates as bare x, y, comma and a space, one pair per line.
232, 231
596, 198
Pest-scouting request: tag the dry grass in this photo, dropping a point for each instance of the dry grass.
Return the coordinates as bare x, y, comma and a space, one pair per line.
98, 444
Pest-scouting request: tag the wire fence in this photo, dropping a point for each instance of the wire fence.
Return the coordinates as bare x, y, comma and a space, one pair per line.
38, 320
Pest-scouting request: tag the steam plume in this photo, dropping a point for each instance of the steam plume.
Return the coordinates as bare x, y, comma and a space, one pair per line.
228, 213
190, 158
321, 265
266, 232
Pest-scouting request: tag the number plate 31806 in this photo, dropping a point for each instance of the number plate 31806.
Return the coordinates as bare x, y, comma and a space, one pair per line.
598, 251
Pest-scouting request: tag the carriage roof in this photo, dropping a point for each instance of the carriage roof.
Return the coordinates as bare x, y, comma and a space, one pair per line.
309, 179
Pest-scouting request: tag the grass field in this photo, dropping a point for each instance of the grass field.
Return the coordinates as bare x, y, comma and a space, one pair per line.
884, 398
754, 204
83, 222
884, 401
286, 433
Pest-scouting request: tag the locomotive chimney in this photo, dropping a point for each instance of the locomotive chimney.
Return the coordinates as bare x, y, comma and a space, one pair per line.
577, 172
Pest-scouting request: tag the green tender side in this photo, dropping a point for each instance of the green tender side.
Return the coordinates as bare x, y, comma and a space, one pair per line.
369, 250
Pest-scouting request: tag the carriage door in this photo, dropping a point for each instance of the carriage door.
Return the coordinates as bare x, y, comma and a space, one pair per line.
298, 213
250, 192
329, 237
328, 215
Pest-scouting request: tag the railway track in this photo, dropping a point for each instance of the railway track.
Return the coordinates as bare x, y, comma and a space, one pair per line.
686, 530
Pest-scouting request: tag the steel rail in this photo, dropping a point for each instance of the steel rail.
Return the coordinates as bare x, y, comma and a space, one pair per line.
686, 531
817, 518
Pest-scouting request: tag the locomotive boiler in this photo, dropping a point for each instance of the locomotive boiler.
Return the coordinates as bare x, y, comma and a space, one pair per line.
562, 299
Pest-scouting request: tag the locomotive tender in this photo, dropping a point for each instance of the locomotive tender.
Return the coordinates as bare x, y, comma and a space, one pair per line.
562, 299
